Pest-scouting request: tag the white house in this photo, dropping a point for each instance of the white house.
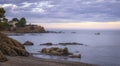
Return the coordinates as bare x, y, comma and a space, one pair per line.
12, 24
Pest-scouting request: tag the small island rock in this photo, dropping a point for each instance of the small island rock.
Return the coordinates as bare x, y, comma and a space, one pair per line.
28, 43
56, 51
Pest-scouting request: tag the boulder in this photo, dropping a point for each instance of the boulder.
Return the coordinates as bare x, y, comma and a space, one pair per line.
11, 47
56, 51
28, 43
48, 44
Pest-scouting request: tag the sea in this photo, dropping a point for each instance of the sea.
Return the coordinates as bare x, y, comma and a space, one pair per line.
101, 47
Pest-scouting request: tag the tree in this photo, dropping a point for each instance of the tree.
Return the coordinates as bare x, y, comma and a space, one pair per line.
22, 22
4, 25
3, 21
15, 19
2, 12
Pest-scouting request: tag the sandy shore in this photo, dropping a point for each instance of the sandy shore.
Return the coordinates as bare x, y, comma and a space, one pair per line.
33, 61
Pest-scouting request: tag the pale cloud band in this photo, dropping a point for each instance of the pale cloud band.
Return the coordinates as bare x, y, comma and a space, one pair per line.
81, 25
77, 10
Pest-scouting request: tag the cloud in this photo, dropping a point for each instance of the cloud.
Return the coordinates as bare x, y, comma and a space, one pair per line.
26, 4
13, 6
41, 7
38, 10
64, 10
81, 25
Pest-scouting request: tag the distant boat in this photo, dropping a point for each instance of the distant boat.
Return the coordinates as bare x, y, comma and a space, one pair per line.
97, 33
73, 32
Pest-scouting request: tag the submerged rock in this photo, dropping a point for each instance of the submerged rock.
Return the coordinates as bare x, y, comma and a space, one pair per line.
70, 43
11, 47
49, 44
28, 43
75, 56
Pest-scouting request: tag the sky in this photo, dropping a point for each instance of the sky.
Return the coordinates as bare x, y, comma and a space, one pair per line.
78, 14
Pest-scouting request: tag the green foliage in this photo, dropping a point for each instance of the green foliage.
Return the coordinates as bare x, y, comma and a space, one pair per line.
2, 12
22, 22
3, 25
5, 20
15, 19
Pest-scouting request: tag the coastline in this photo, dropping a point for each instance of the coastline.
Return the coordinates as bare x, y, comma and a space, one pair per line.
34, 61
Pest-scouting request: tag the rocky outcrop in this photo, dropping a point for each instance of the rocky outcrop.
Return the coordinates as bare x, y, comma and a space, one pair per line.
30, 29
56, 51
64, 44
10, 47
48, 44
70, 43
59, 52
28, 43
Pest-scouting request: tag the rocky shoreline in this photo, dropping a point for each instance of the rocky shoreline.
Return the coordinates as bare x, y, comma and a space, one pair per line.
13, 53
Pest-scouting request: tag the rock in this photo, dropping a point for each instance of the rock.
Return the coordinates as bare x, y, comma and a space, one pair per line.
97, 33
28, 43
2, 57
69, 43
7, 50
75, 56
48, 44
30, 29
65, 51
73, 32
56, 51
11, 47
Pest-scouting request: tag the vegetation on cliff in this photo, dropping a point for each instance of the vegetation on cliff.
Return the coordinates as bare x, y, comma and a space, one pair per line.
17, 25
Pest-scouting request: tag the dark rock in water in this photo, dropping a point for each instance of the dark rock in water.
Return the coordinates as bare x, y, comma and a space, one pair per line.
59, 52
54, 32
56, 51
97, 33
75, 56
28, 43
73, 32
69, 43
47, 44
11, 47
73, 43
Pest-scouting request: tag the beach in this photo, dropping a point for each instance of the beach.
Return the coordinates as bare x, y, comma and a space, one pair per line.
33, 61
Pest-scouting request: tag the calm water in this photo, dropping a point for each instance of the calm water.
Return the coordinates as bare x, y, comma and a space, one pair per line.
103, 49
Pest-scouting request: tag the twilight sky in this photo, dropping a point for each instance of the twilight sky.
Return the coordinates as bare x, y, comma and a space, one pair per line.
67, 13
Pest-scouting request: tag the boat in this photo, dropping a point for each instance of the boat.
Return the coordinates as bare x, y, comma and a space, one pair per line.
97, 33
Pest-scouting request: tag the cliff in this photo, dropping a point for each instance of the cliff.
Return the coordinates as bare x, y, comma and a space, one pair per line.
30, 29
10, 47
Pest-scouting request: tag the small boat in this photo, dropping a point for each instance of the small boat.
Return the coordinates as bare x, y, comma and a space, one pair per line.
97, 33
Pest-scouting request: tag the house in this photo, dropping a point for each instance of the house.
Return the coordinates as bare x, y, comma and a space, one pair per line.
3, 20
12, 24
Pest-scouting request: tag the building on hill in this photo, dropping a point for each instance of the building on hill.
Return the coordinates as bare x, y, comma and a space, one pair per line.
12, 24
3, 20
